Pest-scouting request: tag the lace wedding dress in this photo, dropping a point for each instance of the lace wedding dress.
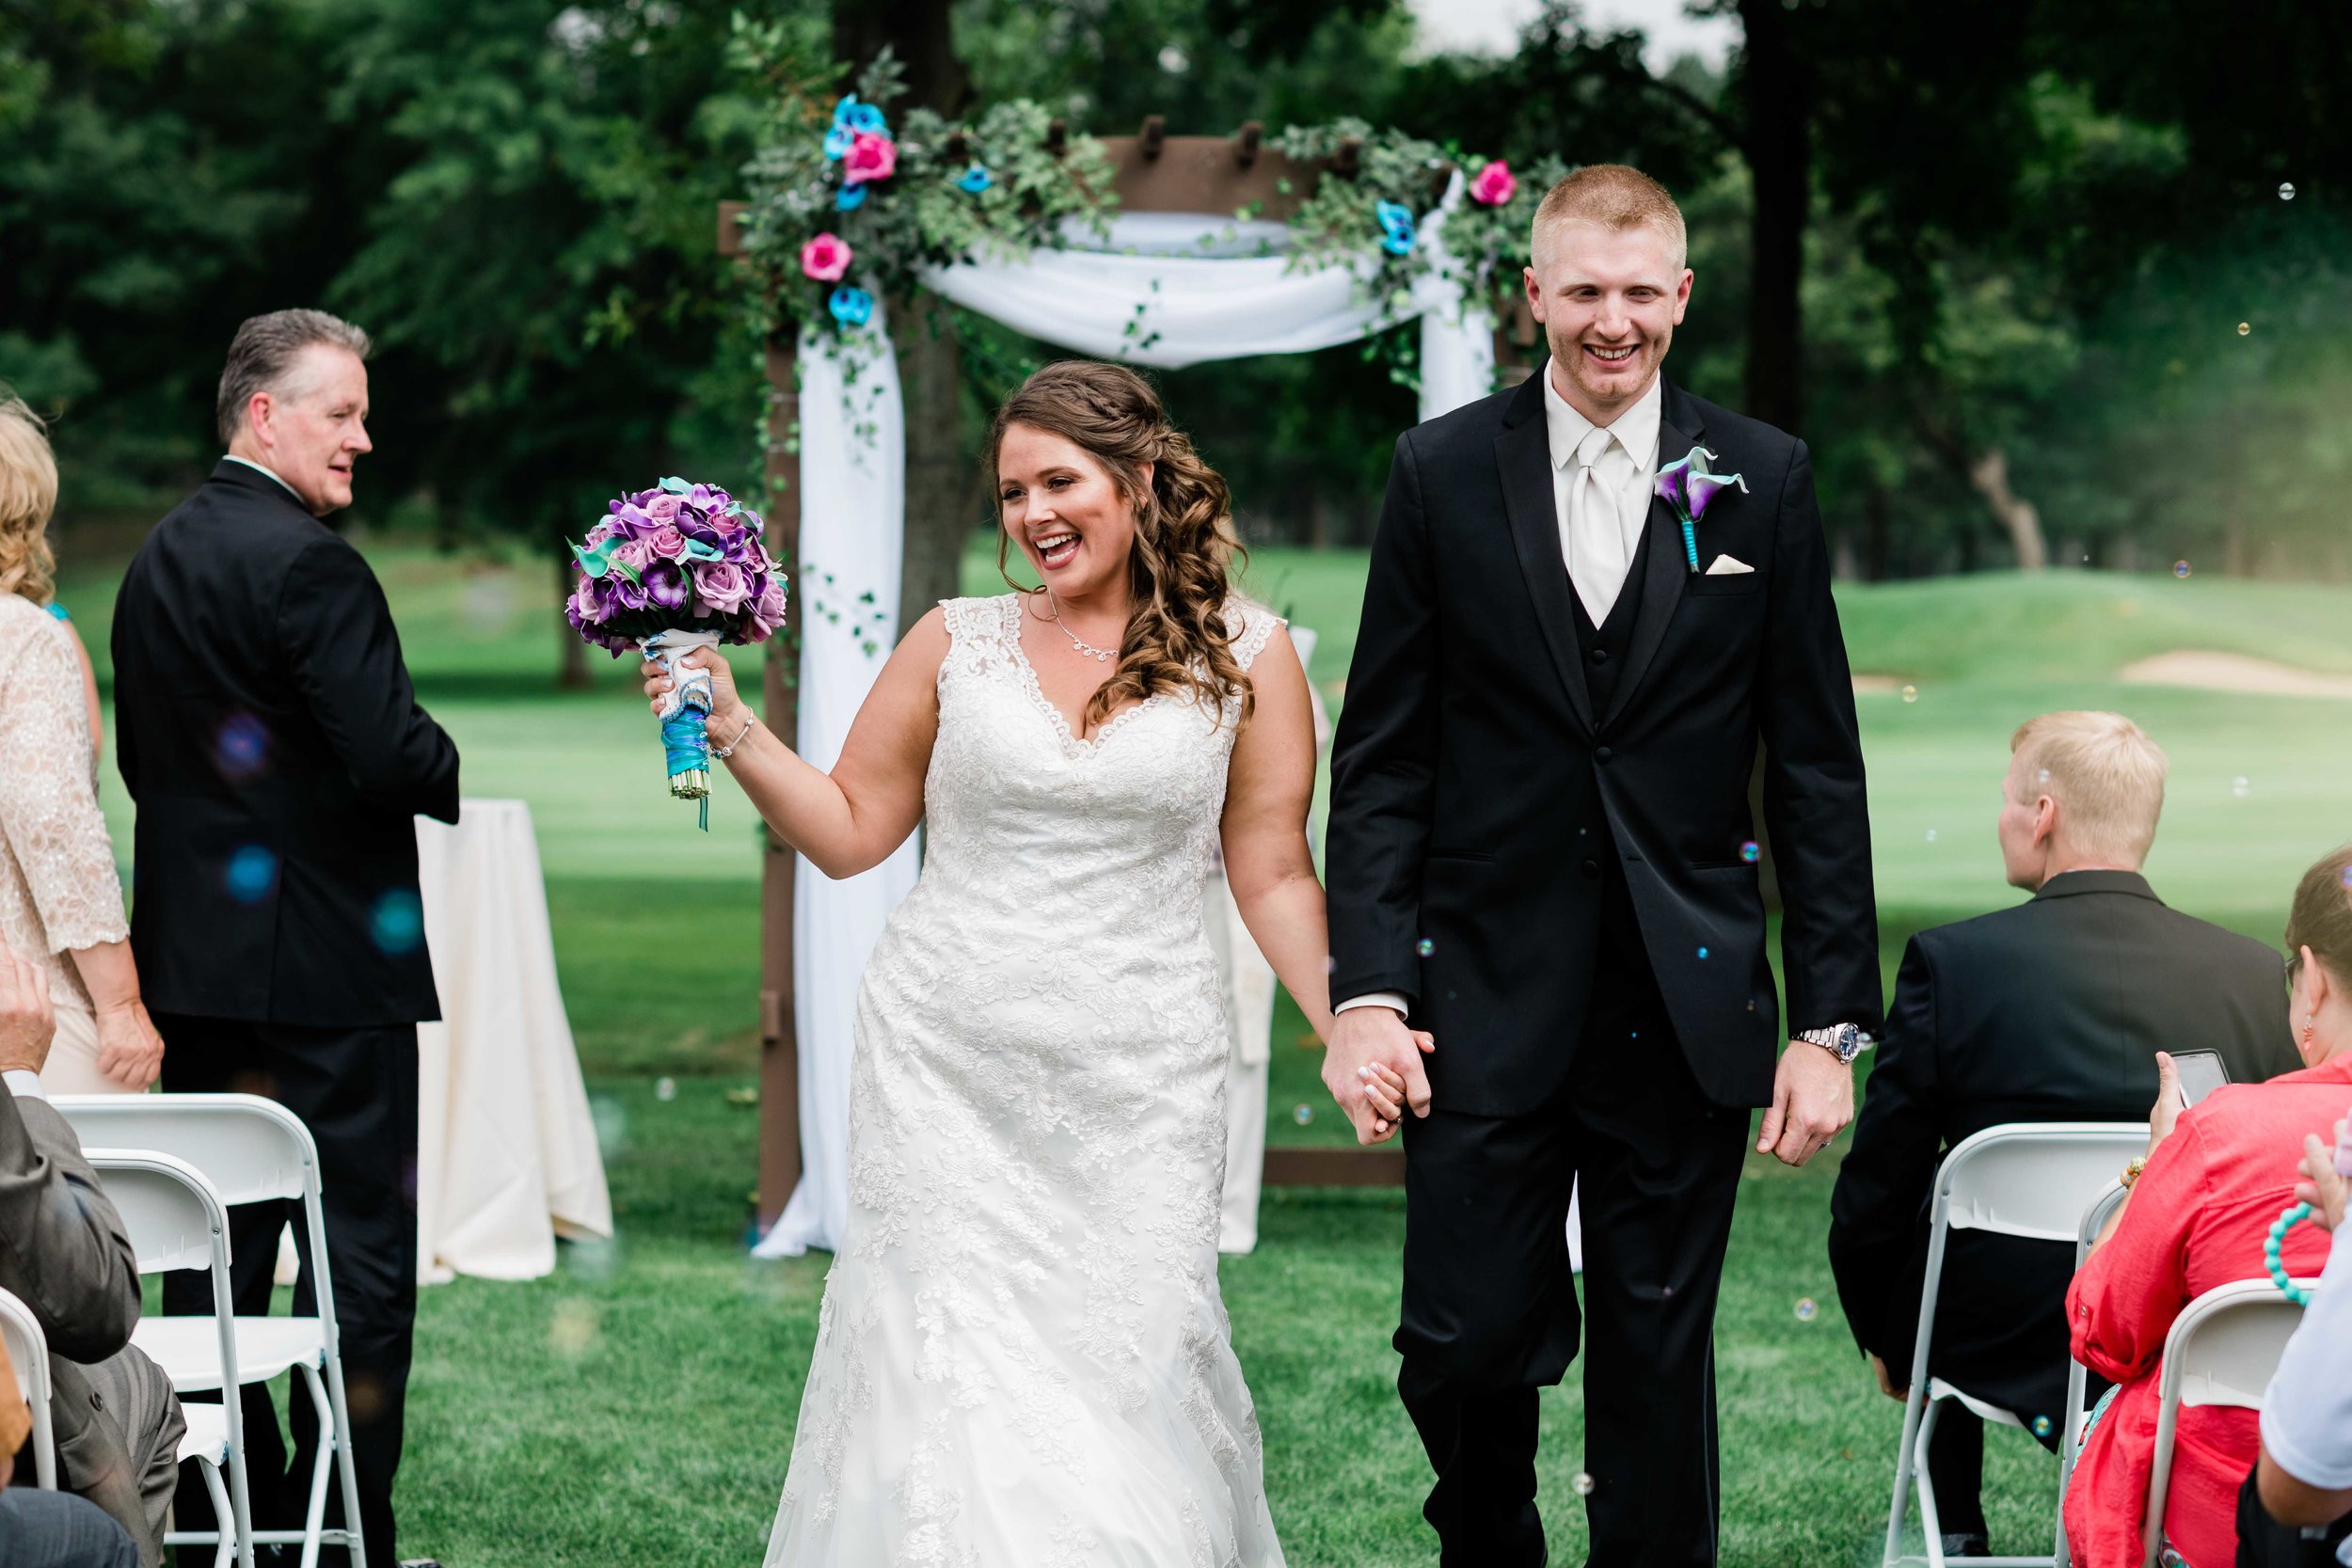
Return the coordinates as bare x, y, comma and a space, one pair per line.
1023, 1360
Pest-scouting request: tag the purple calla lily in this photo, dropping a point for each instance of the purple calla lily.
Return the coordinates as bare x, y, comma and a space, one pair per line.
1705, 487
1670, 485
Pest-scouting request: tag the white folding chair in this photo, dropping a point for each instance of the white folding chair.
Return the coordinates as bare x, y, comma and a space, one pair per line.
2221, 1350
253, 1149
28, 1352
176, 1221
2078, 1376
2020, 1178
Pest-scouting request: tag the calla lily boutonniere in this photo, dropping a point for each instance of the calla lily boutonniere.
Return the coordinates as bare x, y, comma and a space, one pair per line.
1688, 488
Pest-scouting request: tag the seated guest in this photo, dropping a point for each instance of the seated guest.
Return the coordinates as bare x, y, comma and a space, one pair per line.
2053, 1011
63, 1252
2297, 1507
2217, 1177
60, 903
48, 1530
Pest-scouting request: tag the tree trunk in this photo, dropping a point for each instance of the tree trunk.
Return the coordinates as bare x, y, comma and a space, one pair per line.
930, 371
571, 670
1777, 142
1989, 472
917, 32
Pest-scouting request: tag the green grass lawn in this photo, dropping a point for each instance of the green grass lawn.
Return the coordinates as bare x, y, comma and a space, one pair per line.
637, 1407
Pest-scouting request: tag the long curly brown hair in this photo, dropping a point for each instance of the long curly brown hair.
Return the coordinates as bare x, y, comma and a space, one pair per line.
1179, 634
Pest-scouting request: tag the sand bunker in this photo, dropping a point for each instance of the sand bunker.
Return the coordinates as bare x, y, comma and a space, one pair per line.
2234, 672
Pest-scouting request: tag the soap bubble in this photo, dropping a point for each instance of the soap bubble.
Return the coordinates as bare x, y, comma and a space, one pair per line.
2240, 788
1749, 852
1302, 1112
2180, 568
241, 746
1581, 1484
252, 873
1331, 964
2286, 191
573, 1331
1806, 1309
2042, 1426
1175, 60
593, 1259
2348, 877
397, 922
1702, 952
665, 1089
2244, 327
1911, 693
1427, 947
1931, 835
610, 1119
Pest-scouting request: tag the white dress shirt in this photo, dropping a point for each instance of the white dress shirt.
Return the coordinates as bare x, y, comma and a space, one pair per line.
260, 470
1627, 468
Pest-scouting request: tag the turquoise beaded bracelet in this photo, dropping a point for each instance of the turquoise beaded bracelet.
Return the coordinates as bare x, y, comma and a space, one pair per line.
2271, 1243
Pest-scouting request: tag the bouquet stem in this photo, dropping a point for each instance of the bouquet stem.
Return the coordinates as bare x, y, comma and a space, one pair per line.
684, 717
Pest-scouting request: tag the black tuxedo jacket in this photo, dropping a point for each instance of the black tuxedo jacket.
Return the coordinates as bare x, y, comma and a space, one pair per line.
1475, 787
267, 729
2052, 1010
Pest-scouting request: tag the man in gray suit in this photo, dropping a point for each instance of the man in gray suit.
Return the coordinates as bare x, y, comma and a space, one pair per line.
64, 1252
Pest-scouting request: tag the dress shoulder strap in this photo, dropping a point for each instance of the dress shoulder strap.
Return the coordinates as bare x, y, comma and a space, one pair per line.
1258, 627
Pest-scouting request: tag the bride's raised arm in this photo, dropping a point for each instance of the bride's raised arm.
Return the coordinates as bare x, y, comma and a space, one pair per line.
850, 819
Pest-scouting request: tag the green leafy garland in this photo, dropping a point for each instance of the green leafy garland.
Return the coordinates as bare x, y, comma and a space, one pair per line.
842, 205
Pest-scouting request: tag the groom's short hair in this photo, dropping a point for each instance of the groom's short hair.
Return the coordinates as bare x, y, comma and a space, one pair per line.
2105, 775
1614, 195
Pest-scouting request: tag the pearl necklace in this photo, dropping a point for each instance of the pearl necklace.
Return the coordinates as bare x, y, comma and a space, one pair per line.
1101, 655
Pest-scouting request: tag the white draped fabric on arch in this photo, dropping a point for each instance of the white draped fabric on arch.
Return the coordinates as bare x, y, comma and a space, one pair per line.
1163, 290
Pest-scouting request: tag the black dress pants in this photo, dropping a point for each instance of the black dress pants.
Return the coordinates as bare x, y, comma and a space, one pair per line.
357, 1091
1490, 1310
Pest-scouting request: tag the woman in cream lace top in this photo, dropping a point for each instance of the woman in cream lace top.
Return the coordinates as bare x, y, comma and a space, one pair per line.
60, 902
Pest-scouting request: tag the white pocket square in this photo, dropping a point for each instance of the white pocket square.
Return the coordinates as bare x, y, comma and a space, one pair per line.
1727, 565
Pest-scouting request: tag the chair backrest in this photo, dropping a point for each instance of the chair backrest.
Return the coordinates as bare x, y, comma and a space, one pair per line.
2032, 1179
2225, 1344
174, 1217
28, 1355
250, 1148
28, 1350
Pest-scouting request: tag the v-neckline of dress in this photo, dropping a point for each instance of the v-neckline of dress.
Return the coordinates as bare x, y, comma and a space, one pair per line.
1073, 742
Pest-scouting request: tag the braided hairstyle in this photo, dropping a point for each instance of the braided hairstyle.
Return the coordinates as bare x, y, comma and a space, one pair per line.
1180, 633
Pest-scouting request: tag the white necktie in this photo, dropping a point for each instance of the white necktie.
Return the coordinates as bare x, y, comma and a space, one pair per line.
1597, 554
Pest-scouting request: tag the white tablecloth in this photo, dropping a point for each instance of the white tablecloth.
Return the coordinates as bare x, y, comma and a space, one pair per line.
506, 1150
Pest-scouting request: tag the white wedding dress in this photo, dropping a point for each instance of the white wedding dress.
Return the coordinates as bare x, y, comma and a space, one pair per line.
1023, 1360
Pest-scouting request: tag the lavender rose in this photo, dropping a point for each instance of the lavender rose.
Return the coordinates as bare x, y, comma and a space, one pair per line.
663, 508
667, 544
768, 610
722, 586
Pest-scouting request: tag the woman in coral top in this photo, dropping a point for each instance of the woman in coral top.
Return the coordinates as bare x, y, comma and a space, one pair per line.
2217, 1178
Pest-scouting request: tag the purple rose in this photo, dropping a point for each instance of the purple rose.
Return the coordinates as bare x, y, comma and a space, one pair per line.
665, 585
768, 610
722, 586
663, 508
636, 553
667, 544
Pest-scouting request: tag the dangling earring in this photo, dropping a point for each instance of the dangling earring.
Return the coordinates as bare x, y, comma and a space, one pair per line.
2310, 1032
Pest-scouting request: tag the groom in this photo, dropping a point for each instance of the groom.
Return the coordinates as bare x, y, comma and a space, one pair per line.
1540, 850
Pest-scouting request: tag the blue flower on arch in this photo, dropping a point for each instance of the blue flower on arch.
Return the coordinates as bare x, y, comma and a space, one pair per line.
1397, 232
850, 307
975, 180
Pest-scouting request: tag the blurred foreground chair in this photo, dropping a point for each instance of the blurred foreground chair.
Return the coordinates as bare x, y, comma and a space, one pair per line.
2221, 1350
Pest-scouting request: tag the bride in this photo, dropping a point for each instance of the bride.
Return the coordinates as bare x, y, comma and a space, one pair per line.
1022, 1358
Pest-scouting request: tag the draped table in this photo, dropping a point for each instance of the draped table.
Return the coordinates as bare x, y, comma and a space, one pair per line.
507, 1158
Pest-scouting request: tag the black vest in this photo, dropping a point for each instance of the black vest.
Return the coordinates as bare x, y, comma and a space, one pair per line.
1603, 646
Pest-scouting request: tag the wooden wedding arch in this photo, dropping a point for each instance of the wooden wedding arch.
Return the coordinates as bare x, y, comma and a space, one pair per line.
1152, 172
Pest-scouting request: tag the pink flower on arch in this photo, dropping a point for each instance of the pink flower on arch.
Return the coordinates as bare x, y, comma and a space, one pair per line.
1494, 184
870, 157
826, 258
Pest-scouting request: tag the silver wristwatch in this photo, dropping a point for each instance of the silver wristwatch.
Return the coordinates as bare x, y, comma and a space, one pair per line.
1845, 1040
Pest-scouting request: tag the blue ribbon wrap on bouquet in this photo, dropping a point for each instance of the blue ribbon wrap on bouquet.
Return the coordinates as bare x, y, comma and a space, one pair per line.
685, 716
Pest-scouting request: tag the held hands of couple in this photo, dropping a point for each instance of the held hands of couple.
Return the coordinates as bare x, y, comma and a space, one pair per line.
1812, 1102
130, 1052
1373, 1068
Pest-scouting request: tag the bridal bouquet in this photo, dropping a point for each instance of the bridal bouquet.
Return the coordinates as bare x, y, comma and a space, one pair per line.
670, 569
